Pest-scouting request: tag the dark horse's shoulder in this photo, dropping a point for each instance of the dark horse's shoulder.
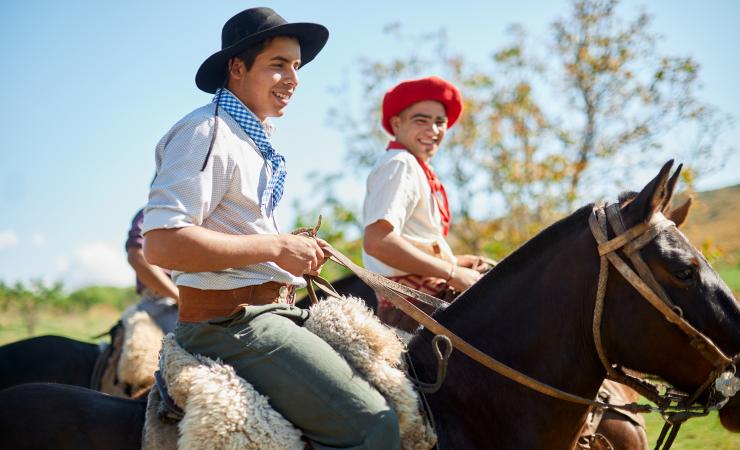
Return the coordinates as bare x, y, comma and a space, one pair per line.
110, 422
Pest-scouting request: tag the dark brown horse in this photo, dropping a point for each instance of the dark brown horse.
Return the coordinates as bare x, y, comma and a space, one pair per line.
533, 312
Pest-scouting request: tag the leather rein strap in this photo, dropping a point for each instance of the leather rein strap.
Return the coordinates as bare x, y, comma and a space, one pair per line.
397, 294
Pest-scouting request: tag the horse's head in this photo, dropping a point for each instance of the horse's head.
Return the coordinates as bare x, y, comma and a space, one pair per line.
636, 334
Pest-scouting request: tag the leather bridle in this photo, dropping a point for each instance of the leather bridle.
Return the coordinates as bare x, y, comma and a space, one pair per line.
675, 407
630, 241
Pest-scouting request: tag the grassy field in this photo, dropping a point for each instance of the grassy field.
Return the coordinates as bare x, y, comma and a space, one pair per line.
79, 325
705, 433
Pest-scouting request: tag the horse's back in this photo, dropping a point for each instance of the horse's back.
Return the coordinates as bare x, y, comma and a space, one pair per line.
350, 285
53, 359
47, 415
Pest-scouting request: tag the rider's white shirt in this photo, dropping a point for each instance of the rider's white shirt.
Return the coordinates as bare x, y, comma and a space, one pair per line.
397, 191
224, 197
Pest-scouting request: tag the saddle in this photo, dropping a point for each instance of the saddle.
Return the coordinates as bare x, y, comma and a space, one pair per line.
223, 411
126, 368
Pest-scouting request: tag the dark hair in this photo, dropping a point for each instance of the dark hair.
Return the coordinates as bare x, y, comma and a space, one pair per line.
250, 54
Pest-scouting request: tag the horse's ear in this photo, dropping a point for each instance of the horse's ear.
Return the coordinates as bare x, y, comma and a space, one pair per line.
653, 196
679, 215
671, 187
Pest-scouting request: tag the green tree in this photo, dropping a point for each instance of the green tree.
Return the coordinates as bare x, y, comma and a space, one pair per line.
340, 226
28, 301
626, 96
538, 132
84, 298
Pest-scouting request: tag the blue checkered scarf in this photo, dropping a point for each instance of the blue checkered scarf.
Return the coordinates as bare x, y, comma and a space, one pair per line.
253, 127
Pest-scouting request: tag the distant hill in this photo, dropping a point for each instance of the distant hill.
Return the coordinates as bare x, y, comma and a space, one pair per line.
715, 220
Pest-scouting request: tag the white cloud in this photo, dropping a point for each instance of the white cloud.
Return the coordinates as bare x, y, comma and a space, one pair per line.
62, 264
38, 240
8, 239
95, 263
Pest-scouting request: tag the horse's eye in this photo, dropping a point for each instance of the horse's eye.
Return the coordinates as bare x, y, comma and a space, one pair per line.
684, 275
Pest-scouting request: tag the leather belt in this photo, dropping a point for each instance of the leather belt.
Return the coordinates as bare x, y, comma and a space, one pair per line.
198, 305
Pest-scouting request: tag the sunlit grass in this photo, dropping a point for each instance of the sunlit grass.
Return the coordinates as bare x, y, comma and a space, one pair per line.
704, 433
80, 325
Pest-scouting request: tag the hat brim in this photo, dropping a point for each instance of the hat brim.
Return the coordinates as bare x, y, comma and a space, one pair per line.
311, 36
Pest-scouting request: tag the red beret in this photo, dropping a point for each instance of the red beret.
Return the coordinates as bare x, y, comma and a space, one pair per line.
409, 92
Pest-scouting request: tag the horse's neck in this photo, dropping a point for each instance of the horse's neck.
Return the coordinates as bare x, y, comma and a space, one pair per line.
535, 318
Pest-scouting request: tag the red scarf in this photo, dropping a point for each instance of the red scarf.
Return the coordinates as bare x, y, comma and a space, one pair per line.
438, 190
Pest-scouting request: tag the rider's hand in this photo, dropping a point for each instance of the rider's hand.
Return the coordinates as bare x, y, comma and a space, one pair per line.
322, 244
462, 278
299, 254
478, 263
466, 260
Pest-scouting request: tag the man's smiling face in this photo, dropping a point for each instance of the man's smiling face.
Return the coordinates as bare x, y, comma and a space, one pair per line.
266, 88
421, 128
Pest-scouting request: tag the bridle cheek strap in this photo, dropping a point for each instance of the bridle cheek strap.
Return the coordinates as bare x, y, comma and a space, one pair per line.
631, 241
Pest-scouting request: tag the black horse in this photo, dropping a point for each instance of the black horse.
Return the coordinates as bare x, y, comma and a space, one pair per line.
533, 312
54, 359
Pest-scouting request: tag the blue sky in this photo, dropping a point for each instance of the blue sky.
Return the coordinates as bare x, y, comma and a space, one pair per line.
89, 87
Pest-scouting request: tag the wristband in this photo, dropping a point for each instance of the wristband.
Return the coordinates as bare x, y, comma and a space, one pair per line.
451, 274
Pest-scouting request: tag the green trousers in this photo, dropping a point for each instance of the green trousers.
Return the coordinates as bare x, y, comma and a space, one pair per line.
304, 378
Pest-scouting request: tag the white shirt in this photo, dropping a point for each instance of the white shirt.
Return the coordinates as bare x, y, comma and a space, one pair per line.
225, 197
398, 192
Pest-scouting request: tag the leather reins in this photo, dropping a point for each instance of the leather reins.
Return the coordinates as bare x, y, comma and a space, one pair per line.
397, 294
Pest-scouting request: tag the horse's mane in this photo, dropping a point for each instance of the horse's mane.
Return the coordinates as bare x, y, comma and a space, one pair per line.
534, 247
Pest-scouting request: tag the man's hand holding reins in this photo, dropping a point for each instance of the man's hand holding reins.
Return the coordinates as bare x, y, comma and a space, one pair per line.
299, 255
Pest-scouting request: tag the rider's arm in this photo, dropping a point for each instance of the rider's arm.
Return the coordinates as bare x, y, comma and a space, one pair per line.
190, 183
391, 248
150, 275
197, 249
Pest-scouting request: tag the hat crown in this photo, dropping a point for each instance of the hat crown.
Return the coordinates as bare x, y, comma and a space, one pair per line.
248, 22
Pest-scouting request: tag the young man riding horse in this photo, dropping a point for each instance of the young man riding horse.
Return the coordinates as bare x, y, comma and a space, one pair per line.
406, 213
210, 218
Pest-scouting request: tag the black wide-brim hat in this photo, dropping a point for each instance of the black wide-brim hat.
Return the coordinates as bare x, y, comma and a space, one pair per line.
250, 27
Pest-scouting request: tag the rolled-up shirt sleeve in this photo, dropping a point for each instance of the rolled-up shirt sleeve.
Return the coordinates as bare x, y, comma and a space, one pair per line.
391, 195
182, 194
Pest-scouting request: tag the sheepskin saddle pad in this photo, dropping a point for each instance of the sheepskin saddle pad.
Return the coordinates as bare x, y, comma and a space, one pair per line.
223, 411
134, 354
